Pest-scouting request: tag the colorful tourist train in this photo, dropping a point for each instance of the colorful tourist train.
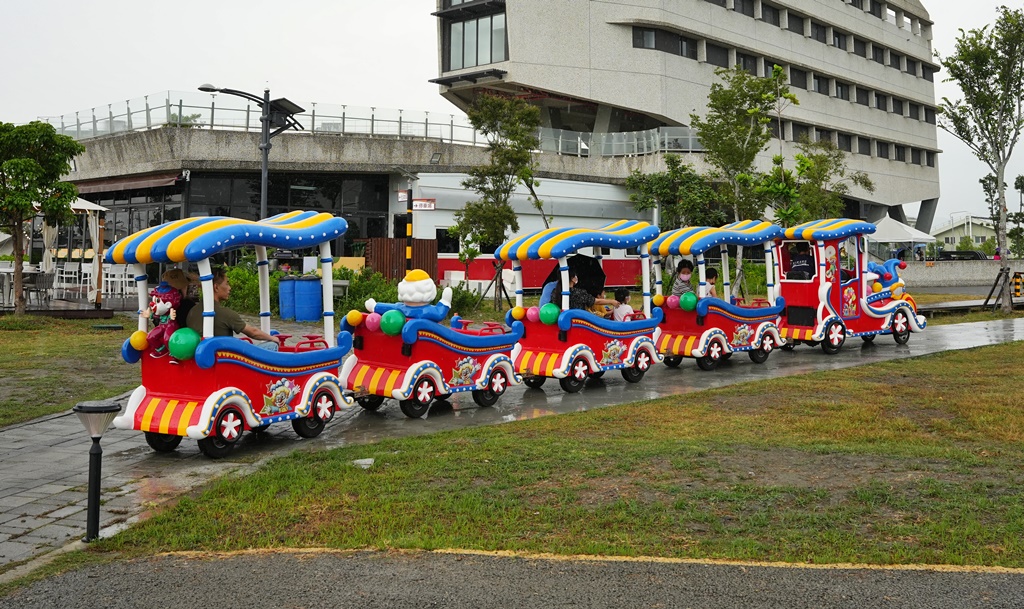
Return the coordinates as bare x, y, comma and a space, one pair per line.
820, 288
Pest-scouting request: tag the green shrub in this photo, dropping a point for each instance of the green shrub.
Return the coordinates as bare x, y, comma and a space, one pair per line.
464, 302
245, 289
363, 285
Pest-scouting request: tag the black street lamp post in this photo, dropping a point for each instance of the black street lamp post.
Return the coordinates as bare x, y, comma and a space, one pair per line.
95, 416
278, 114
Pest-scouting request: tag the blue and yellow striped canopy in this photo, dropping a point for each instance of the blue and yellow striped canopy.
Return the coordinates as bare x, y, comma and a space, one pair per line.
834, 228
699, 239
556, 242
193, 239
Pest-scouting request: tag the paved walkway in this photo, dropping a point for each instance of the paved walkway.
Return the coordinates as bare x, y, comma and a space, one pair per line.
45, 461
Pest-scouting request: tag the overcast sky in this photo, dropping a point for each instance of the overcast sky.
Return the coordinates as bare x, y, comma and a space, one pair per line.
61, 56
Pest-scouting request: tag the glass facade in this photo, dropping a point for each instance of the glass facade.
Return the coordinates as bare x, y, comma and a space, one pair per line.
476, 42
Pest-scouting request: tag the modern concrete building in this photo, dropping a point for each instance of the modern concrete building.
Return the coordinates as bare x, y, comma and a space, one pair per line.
605, 73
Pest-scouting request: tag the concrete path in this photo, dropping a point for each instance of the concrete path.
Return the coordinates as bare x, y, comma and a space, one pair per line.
43, 480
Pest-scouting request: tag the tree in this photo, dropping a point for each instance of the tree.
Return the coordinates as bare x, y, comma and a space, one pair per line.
825, 179
988, 66
684, 197
965, 244
510, 126
735, 129
33, 158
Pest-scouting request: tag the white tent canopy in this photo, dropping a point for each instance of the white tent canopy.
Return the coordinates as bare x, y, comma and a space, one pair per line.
78, 206
894, 231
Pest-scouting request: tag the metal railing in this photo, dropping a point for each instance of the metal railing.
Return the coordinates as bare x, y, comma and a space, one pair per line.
175, 109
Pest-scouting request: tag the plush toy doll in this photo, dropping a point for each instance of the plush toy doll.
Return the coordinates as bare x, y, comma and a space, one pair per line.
163, 305
416, 292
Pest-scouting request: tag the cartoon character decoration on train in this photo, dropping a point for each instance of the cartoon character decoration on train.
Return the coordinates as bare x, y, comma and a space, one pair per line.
741, 335
416, 293
612, 352
888, 278
279, 395
831, 264
164, 301
464, 371
849, 302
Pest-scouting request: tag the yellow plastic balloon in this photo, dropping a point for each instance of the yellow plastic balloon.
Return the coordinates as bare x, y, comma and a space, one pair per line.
354, 318
876, 287
658, 300
518, 313
138, 340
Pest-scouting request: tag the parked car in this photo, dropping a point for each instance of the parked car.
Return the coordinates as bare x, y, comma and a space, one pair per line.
962, 255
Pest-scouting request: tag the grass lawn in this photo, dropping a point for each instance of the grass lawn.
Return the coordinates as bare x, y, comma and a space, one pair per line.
911, 461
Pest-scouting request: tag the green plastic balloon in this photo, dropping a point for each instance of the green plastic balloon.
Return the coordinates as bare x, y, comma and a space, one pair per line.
549, 313
688, 301
183, 343
391, 322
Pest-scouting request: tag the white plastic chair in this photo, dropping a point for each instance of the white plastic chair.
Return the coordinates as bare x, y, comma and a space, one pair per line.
68, 277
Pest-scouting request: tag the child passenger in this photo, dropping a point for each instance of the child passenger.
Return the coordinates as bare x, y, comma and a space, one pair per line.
682, 284
622, 311
712, 277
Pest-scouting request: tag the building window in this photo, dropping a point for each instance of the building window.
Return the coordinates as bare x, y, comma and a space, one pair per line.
718, 56
688, 47
818, 31
930, 158
878, 53
876, 8
882, 150
895, 60
929, 73
824, 135
860, 47
771, 14
773, 127
769, 66
914, 111
845, 142
643, 38
842, 90
477, 42
857, 4
838, 39
897, 106
798, 78
915, 156
900, 153
864, 146
446, 244
978, 240
720, 3
863, 95
911, 66
796, 23
801, 133
881, 102
747, 62
929, 115
821, 84
744, 6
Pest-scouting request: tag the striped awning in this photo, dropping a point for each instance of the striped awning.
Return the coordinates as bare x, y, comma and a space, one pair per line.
834, 228
193, 239
556, 242
699, 239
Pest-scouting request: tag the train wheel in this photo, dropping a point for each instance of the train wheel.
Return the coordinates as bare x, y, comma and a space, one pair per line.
597, 375
869, 338
641, 365
760, 355
323, 411
534, 382
788, 346
577, 376
496, 386
900, 328
713, 356
227, 429
370, 402
835, 336
418, 403
443, 397
673, 361
162, 442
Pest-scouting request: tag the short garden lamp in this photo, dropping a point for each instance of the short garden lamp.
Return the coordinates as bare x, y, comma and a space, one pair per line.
95, 416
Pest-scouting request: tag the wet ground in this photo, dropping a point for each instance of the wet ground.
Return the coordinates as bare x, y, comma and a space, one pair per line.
43, 481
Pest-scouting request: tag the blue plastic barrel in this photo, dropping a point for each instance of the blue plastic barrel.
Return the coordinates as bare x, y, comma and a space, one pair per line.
309, 303
286, 297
